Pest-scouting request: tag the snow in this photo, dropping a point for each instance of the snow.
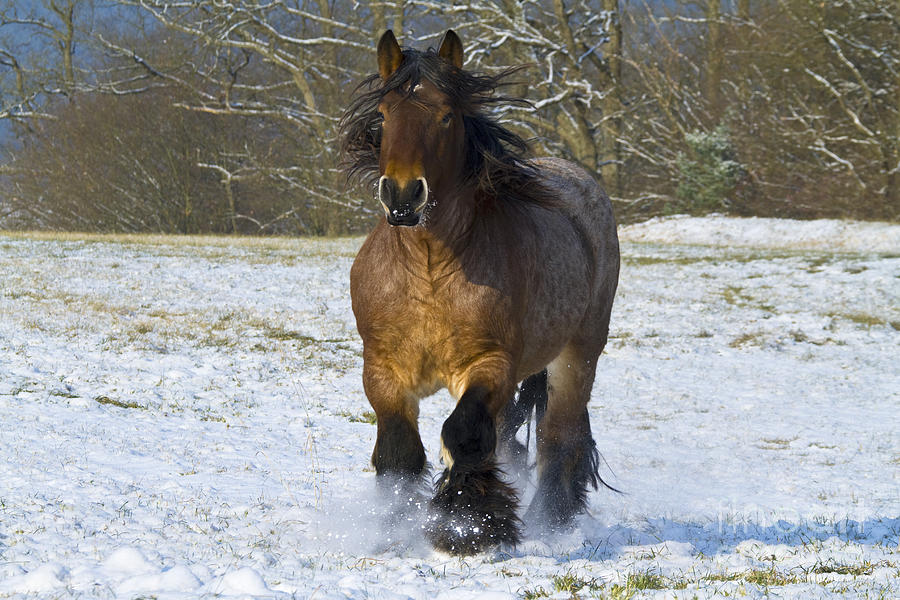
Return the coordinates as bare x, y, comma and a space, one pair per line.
715, 230
242, 581
184, 417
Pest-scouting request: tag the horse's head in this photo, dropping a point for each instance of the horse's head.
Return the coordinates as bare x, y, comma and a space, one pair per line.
422, 134
420, 128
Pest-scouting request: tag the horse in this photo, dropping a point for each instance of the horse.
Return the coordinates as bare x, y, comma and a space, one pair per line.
487, 269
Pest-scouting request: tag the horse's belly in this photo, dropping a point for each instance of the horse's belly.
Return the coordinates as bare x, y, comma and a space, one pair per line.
544, 337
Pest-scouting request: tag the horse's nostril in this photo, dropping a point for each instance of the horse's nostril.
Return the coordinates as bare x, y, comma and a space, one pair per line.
387, 190
421, 193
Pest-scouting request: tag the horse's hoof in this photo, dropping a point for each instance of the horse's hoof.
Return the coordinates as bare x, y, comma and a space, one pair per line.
473, 511
562, 492
550, 514
403, 498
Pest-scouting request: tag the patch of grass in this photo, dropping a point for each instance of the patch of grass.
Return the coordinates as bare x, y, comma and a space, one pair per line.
667, 260
854, 269
119, 403
532, 594
283, 335
760, 577
143, 328
36, 325
25, 388
724, 577
572, 583
815, 264
860, 570
217, 341
19, 294
736, 296
209, 416
646, 581
247, 249
158, 313
747, 338
575, 586
162, 239
365, 417
798, 336
864, 319
771, 577
777, 443
637, 582
821, 445
801, 338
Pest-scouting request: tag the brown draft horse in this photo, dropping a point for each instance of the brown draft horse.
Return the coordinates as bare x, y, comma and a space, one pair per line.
487, 270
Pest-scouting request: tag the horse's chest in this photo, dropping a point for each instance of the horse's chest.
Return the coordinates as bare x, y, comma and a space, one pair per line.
429, 320
441, 309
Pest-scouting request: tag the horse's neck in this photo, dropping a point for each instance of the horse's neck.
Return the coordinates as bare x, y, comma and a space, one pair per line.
443, 237
422, 255
453, 218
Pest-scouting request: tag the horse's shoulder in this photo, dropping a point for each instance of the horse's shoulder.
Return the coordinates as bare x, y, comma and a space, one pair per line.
370, 262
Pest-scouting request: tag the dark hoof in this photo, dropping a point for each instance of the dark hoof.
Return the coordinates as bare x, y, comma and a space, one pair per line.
472, 511
404, 498
563, 487
550, 512
401, 507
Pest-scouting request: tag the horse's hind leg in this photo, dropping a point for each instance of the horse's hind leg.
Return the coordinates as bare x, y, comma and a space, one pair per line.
567, 454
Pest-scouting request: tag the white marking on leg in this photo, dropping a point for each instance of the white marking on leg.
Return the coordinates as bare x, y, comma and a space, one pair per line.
446, 457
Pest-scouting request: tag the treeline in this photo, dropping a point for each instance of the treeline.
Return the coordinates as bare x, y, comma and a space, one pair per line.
206, 116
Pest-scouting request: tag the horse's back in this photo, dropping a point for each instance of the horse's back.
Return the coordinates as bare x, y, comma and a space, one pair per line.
583, 199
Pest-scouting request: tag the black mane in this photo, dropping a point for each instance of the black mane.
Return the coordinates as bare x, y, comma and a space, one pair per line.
496, 157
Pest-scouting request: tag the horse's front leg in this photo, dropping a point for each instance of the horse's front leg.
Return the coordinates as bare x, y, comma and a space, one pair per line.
398, 457
473, 507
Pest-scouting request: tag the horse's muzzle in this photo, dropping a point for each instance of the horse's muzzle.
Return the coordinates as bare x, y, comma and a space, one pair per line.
403, 206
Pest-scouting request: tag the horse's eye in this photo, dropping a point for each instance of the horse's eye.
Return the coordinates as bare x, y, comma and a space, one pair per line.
380, 118
446, 120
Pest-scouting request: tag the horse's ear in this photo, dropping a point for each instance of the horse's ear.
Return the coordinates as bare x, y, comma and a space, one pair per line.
389, 55
451, 49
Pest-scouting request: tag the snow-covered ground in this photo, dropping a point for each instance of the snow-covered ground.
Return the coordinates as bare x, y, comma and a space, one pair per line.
824, 234
183, 418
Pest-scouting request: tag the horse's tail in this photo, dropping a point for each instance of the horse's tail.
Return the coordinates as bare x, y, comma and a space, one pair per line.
531, 396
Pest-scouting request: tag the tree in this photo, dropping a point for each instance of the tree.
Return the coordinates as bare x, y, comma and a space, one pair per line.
37, 53
752, 108
295, 62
